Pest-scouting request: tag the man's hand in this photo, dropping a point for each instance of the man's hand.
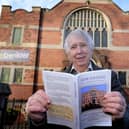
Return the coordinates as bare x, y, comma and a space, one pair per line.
114, 104
36, 105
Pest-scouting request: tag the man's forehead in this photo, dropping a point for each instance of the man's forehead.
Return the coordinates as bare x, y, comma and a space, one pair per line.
77, 38
77, 35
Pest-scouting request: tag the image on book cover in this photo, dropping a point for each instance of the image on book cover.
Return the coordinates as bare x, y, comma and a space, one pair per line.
91, 96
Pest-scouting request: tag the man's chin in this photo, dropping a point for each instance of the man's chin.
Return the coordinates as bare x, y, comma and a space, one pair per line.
81, 64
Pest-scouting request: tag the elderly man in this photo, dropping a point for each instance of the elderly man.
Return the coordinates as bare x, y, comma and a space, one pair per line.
79, 48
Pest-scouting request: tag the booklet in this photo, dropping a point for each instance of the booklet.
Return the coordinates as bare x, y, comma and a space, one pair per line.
76, 99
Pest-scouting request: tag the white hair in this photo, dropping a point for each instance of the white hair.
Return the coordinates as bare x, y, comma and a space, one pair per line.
81, 33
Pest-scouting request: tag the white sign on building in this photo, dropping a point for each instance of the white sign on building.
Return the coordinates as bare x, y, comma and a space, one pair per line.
14, 55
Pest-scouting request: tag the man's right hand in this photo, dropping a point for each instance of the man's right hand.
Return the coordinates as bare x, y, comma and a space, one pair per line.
36, 105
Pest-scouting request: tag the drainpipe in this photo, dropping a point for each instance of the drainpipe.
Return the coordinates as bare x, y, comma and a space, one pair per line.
35, 81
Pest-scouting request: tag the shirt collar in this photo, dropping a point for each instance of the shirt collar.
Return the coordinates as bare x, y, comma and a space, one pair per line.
90, 68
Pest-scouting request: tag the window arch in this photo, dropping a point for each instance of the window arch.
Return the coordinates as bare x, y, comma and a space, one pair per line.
93, 21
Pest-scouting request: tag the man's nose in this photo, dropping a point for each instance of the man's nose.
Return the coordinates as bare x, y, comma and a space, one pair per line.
79, 49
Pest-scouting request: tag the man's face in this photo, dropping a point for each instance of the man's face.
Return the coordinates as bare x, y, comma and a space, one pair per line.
79, 53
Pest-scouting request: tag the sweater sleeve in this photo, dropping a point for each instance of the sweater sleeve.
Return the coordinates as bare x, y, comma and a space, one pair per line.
38, 125
44, 125
116, 86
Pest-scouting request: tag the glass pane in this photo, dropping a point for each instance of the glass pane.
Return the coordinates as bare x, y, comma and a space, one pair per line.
18, 75
97, 38
104, 38
16, 35
67, 31
5, 75
90, 32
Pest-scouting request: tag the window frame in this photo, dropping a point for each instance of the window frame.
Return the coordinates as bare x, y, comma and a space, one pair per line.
14, 35
105, 23
17, 79
2, 75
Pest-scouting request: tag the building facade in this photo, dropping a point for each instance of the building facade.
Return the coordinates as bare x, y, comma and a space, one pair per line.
33, 41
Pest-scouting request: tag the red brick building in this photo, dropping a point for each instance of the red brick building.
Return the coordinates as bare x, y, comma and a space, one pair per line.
33, 41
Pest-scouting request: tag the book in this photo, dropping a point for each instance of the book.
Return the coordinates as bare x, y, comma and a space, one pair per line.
76, 99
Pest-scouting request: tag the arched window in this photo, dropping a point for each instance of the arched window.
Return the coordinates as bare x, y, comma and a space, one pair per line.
93, 22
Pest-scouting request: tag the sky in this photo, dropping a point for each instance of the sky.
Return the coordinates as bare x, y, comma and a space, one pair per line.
123, 4
27, 4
